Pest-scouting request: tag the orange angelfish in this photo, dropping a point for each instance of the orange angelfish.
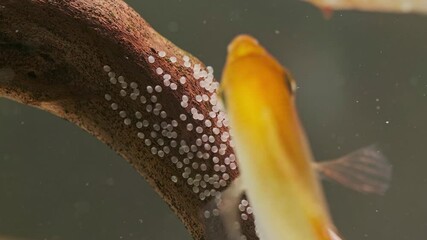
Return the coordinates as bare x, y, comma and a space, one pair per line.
277, 171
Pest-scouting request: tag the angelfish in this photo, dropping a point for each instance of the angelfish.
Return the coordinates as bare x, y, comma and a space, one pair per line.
277, 171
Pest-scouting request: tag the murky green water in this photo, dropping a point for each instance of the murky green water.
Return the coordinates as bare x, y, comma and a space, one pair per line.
362, 79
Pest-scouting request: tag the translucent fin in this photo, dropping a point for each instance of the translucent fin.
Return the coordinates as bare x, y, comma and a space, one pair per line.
365, 170
334, 235
221, 216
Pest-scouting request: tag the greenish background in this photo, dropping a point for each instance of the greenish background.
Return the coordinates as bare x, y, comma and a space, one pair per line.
362, 79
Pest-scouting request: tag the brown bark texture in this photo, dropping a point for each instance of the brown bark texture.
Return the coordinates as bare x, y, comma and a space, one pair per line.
98, 64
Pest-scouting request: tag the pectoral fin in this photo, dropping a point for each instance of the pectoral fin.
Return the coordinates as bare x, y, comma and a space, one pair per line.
221, 216
365, 170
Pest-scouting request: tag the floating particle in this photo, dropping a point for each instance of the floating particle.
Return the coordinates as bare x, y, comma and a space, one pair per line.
182, 80
172, 59
151, 59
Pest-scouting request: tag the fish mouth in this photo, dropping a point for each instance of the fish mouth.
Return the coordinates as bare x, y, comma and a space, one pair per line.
243, 45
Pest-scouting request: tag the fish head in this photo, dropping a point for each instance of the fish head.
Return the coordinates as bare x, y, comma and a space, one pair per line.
251, 73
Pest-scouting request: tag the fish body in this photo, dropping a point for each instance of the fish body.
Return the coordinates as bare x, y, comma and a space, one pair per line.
277, 169
390, 6
275, 159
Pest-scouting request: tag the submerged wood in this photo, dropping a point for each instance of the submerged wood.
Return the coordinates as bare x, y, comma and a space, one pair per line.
386, 6
89, 62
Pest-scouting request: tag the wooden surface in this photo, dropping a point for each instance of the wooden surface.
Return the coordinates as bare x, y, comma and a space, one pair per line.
60, 56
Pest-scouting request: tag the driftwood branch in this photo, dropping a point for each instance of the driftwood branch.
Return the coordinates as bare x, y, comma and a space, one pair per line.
396, 6
98, 64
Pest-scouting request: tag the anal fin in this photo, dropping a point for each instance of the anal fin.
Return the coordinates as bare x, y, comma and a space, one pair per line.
365, 170
221, 215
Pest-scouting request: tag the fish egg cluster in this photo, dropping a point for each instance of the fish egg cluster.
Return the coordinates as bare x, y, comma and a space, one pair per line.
204, 163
